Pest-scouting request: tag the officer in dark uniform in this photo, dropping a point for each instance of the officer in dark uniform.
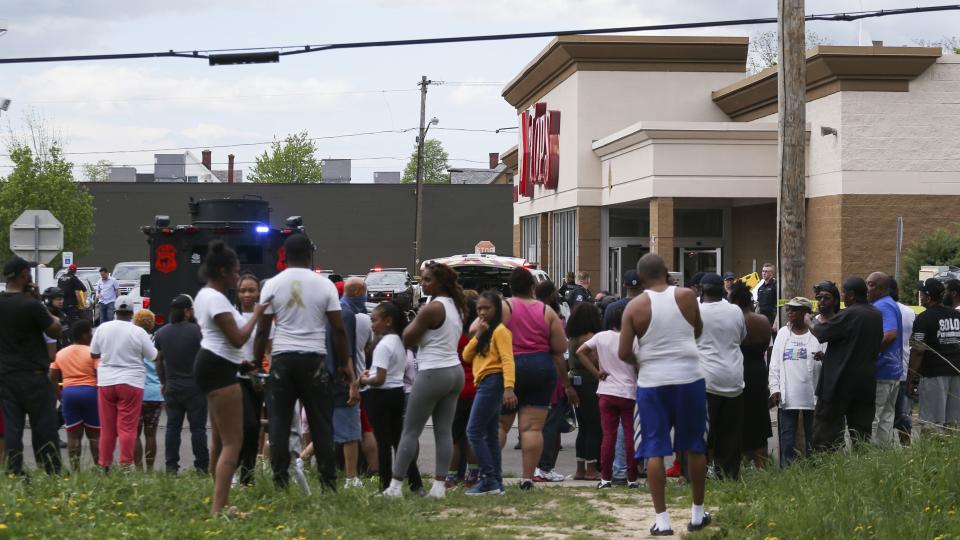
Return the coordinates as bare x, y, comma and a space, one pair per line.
70, 284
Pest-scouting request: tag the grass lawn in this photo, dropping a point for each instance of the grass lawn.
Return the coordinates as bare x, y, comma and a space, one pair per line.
870, 493
898, 493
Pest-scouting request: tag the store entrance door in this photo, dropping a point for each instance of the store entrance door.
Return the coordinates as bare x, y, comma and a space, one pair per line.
698, 260
620, 260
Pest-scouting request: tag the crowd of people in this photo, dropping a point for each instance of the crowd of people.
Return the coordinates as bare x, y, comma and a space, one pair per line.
293, 368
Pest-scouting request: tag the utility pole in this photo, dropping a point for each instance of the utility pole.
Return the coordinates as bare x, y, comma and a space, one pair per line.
791, 196
418, 236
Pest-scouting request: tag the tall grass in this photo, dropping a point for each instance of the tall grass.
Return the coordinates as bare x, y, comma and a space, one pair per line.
897, 493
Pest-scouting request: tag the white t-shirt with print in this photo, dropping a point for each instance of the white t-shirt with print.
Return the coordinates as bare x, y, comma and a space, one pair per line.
209, 304
123, 348
301, 300
793, 369
390, 355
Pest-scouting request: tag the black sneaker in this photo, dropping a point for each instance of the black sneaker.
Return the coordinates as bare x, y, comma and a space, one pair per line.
526, 485
654, 531
706, 521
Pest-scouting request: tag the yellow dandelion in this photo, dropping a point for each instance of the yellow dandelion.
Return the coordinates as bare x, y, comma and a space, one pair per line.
858, 529
771, 524
3, 526
261, 508
951, 512
206, 500
132, 514
17, 515
749, 525
280, 527
770, 538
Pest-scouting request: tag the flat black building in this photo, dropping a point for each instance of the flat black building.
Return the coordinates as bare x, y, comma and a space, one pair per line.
355, 226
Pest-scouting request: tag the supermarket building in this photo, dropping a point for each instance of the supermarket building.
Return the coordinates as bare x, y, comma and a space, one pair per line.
662, 144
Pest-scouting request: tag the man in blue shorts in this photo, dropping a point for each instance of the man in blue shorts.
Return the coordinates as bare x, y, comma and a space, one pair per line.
659, 335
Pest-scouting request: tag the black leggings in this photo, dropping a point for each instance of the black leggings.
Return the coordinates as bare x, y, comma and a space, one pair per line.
589, 434
385, 408
252, 408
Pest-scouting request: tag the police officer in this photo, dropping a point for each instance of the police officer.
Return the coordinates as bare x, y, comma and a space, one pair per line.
73, 292
53, 298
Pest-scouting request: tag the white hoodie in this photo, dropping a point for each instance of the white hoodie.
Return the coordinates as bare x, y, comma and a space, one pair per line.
793, 371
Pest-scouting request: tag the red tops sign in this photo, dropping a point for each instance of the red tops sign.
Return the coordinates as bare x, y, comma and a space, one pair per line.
539, 148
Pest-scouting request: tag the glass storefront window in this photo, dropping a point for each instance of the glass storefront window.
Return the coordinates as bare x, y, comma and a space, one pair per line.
564, 244
530, 238
698, 223
629, 222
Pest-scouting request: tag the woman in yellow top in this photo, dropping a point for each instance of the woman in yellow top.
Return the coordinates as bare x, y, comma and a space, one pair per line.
491, 353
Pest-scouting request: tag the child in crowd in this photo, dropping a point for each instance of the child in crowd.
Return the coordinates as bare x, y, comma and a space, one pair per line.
385, 398
491, 353
617, 395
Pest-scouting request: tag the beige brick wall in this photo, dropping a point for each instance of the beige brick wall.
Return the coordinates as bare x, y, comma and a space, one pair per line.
661, 229
516, 240
823, 246
869, 225
754, 236
588, 238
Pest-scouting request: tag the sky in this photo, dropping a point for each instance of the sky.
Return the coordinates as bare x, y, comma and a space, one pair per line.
143, 106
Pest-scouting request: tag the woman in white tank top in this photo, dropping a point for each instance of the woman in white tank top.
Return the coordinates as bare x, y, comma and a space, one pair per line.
435, 331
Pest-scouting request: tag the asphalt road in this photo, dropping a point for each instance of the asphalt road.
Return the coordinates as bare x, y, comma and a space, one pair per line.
566, 462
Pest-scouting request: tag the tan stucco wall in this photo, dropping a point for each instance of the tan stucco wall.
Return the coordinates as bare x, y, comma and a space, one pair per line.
754, 235
588, 239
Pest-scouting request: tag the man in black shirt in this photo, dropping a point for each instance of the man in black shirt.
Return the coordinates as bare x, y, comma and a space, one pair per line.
631, 290
579, 292
72, 288
935, 355
25, 386
767, 292
177, 344
846, 390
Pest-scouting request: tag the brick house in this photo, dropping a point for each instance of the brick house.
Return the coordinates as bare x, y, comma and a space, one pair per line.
666, 146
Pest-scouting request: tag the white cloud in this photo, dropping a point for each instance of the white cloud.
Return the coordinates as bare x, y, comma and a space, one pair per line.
211, 132
111, 89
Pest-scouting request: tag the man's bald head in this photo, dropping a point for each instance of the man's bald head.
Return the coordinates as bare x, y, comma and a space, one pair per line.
354, 287
878, 285
652, 269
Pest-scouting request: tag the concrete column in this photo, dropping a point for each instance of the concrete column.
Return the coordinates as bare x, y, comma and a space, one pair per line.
588, 242
661, 229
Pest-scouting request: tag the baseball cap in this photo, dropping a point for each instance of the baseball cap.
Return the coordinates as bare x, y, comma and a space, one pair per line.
800, 302
711, 278
631, 279
182, 301
728, 275
124, 303
72, 268
14, 266
932, 287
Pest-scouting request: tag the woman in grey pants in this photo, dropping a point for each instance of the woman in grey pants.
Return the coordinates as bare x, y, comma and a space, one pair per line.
435, 331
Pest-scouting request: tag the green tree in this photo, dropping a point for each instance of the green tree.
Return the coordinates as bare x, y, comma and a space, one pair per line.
949, 44
434, 165
292, 161
43, 179
942, 248
765, 49
97, 172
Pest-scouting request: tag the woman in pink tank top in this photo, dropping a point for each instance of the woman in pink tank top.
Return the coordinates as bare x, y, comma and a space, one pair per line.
538, 346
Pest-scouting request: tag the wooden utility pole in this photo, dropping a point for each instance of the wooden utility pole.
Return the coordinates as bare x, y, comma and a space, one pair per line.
417, 241
791, 100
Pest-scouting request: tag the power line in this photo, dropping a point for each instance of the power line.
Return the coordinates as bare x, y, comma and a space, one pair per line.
225, 163
303, 49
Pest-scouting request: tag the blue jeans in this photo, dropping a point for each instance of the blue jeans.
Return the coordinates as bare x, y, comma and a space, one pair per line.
106, 312
789, 419
620, 457
903, 410
484, 424
194, 407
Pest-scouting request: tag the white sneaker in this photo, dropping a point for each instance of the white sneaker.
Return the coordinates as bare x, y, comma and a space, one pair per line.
437, 491
353, 483
393, 491
299, 477
554, 476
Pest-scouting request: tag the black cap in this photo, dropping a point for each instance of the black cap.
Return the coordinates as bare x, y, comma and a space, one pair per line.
696, 278
728, 275
14, 266
932, 287
182, 301
856, 285
631, 279
711, 278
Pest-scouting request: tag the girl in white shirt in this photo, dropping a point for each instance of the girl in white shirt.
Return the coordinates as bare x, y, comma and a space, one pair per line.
221, 353
385, 398
794, 370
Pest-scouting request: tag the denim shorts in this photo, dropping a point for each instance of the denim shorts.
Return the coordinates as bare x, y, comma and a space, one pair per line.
536, 377
346, 424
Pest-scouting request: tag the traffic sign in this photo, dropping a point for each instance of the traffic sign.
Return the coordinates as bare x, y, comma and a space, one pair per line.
67, 258
37, 236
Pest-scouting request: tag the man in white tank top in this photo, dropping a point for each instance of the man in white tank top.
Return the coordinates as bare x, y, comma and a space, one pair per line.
671, 393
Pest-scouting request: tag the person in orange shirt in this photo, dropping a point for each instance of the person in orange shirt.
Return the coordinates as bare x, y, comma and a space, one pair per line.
74, 377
